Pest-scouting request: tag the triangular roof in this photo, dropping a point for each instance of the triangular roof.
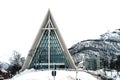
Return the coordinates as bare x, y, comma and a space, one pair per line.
45, 26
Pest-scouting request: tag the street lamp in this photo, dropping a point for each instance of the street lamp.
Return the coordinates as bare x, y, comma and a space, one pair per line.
54, 72
76, 74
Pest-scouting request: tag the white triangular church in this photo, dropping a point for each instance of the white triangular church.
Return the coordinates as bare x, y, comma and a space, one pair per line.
48, 50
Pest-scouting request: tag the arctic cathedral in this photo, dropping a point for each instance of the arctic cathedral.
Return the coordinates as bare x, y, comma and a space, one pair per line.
49, 50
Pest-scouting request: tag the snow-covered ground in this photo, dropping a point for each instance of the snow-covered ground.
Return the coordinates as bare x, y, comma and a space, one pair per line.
46, 75
110, 74
114, 74
32, 74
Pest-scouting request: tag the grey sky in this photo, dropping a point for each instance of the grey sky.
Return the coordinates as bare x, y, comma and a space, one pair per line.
77, 20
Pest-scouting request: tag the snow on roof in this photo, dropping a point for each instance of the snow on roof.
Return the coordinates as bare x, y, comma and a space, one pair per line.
46, 75
3, 70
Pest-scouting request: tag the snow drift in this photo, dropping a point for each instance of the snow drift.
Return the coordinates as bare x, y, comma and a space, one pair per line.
46, 75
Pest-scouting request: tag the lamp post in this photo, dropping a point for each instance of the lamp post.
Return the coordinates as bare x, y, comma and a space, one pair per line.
54, 72
76, 74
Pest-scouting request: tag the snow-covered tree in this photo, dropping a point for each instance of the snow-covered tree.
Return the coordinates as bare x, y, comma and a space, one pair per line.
16, 62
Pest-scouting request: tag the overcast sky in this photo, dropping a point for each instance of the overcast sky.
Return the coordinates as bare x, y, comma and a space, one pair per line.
77, 20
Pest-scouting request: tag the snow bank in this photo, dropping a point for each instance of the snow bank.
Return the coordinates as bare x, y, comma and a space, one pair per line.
46, 75
114, 74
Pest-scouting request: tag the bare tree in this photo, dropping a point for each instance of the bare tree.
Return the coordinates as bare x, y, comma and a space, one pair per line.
16, 62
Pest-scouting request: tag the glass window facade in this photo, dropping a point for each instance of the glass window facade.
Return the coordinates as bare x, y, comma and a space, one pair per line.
57, 58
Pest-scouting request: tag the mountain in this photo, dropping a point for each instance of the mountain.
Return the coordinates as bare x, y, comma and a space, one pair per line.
4, 65
104, 49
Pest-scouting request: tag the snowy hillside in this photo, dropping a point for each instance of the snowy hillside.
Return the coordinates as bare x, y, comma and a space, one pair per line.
114, 74
105, 48
4, 65
115, 35
46, 75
